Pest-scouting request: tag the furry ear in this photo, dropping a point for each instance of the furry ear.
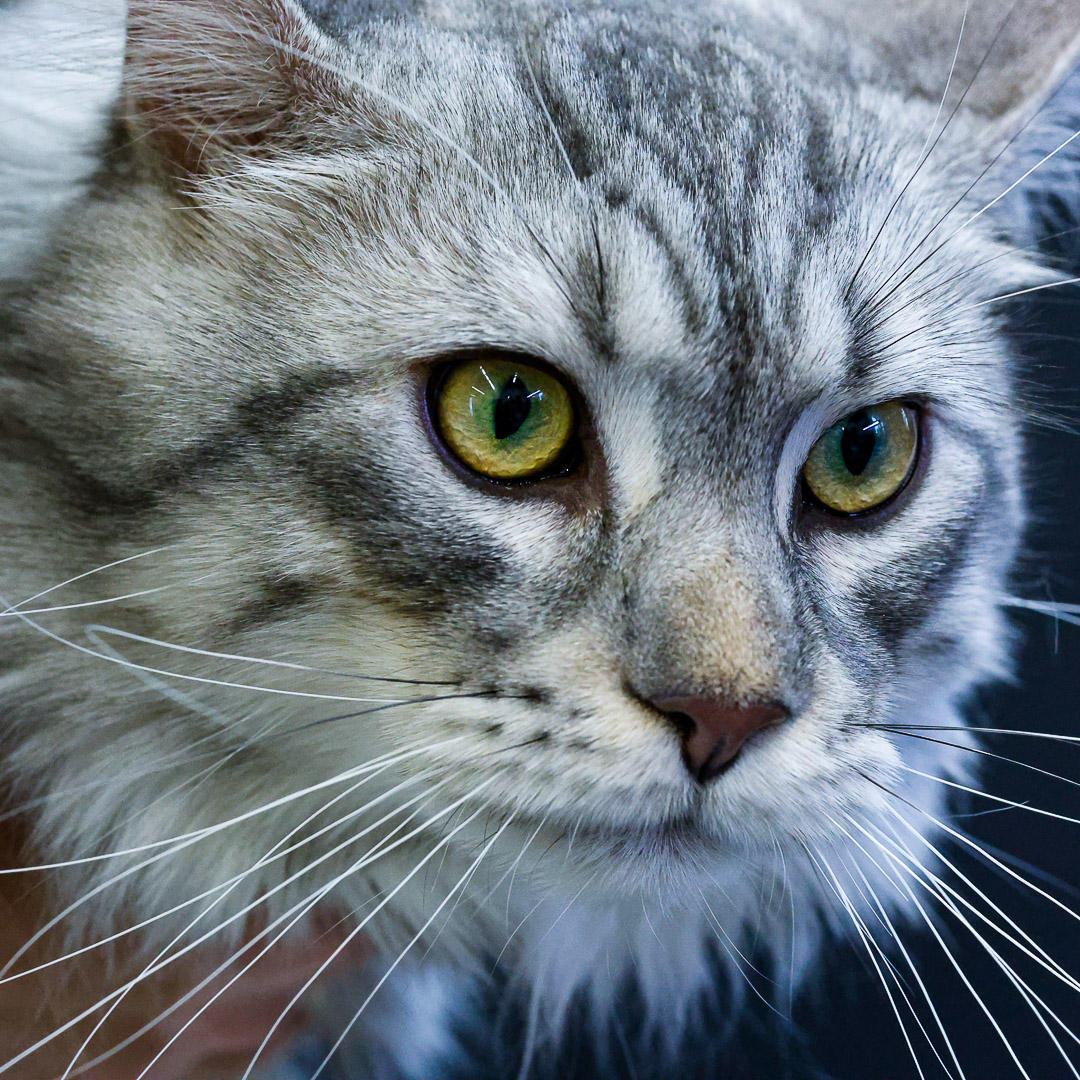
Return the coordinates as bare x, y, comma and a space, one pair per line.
208, 80
1013, 53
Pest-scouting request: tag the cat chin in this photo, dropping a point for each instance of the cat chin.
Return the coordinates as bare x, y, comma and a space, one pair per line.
681, 941
672, 911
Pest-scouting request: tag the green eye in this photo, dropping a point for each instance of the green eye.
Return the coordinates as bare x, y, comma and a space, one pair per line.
504, 419
865, 459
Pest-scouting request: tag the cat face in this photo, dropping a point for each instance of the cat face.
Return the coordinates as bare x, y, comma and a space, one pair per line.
319, 247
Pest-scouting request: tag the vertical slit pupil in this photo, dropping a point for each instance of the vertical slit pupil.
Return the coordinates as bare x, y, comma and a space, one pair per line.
858, 441
512, 408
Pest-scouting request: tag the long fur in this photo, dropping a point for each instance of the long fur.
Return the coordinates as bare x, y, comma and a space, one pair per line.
211, 373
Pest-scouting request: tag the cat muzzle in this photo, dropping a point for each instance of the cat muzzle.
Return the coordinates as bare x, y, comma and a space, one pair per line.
714, 732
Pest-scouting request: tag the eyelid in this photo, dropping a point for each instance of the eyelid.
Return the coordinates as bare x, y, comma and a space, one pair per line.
829, 408
811, 424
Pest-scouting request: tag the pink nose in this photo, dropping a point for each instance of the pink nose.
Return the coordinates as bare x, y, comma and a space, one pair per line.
714, 732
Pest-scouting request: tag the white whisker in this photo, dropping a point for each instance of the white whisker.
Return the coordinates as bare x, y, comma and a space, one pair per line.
275, 854
892, 725
99, 629
57, 919
980, 752
202, 680
909, 960
462, 883
933, 885
873, 950
12, 613
1069, 613
1027, 292
993, 798
380, 850
10, 608
967, 223
983, 1007
928, 148
742, 963
381, 847
1016, 183
271, 856
393, 757
1023, 942
323, 891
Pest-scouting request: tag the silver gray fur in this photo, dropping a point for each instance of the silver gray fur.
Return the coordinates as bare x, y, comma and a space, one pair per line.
695, 213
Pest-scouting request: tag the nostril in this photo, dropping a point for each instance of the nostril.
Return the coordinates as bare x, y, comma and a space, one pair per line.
682, 722
713, 732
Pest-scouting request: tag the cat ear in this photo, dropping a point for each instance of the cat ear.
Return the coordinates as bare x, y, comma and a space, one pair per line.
208, 80
1008, 55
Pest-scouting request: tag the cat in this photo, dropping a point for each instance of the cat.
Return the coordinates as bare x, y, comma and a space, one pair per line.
506, 482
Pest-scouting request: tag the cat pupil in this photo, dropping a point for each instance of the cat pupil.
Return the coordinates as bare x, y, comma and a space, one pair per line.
512, 408
858, 442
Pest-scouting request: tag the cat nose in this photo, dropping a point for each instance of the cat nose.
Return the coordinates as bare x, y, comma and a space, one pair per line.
714, 731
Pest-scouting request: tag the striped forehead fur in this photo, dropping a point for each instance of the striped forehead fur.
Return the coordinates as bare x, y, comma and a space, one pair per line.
726, 233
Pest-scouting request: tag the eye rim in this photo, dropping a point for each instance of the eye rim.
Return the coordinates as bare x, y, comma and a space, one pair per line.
811, 504
569, 461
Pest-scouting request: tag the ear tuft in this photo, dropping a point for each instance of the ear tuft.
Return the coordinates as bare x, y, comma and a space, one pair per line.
207, 80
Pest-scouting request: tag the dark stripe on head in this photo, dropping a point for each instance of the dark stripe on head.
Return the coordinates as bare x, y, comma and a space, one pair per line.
432, 556
920, 582
694, 313
576, 142
342, 18
260, 420
894, 610
277, 598
575, 137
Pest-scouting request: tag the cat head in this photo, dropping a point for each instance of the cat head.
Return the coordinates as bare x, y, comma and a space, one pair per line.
614, 399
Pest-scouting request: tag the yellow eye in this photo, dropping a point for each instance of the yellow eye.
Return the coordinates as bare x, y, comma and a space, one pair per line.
865, 459
504, 419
